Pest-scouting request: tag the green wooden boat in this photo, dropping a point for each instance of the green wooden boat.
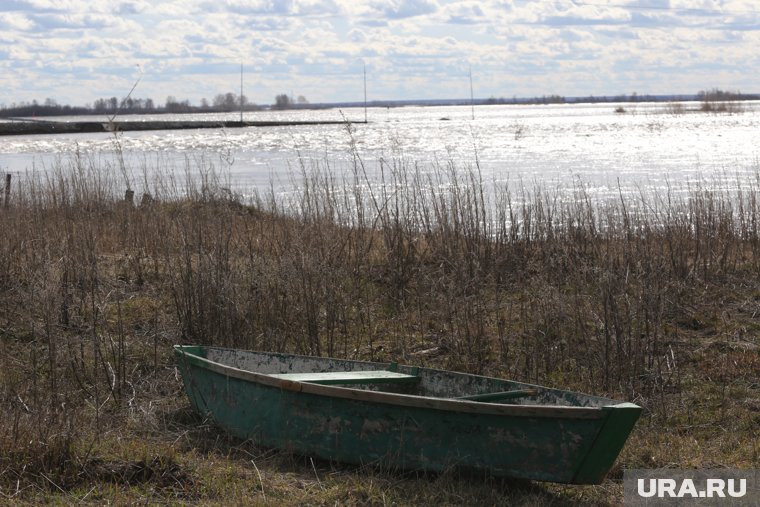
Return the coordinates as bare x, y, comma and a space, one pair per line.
406, 417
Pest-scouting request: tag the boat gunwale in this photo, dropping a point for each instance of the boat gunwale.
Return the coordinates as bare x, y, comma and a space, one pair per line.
398, 399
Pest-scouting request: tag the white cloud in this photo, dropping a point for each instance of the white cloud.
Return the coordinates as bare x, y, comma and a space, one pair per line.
318, 8
15, 21
131, 8
357, 36
468, 14
400, 9
409, 47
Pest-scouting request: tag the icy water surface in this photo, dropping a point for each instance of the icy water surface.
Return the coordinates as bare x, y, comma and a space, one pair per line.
647, 147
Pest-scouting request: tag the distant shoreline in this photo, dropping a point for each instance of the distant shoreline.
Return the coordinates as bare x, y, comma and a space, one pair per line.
22, 126
44, 111
611, 99
32, 123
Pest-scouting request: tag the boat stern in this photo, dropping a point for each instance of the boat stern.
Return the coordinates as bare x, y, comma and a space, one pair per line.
608, 443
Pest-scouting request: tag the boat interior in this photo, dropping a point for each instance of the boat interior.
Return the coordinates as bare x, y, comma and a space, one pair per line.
395, 378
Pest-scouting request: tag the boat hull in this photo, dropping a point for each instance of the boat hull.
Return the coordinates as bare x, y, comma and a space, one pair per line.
399, 431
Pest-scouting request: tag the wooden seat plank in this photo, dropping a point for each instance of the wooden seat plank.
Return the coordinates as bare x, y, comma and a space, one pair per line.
503, 395
349, 377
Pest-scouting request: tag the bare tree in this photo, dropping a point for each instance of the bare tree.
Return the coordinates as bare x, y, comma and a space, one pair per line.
282, 101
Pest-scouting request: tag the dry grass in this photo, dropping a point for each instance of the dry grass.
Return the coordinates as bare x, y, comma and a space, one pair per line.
651, 299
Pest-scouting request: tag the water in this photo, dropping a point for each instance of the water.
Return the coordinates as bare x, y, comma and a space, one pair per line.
558, 146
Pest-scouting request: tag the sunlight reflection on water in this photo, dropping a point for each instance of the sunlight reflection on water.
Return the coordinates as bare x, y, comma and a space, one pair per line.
557, 146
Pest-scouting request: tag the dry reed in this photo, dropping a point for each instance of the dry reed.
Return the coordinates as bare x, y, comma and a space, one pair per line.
425, 264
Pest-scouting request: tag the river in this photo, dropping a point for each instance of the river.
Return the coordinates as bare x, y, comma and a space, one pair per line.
649, 146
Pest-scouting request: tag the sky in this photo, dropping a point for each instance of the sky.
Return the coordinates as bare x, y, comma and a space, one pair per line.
77, 51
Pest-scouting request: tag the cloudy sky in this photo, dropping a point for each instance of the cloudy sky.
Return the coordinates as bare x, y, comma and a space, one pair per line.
76, 51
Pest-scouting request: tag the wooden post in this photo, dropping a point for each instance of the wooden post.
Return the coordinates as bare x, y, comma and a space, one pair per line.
7, 190
129, 197
146, 200
472, 97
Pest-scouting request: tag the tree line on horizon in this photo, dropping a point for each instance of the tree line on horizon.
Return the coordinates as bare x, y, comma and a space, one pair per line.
221, 103
231, 102
712, 95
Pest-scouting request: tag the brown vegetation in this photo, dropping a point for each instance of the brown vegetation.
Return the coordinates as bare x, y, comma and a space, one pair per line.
721, 101
653, 299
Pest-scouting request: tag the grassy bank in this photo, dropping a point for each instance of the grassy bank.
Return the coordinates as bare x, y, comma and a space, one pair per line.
653, 299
